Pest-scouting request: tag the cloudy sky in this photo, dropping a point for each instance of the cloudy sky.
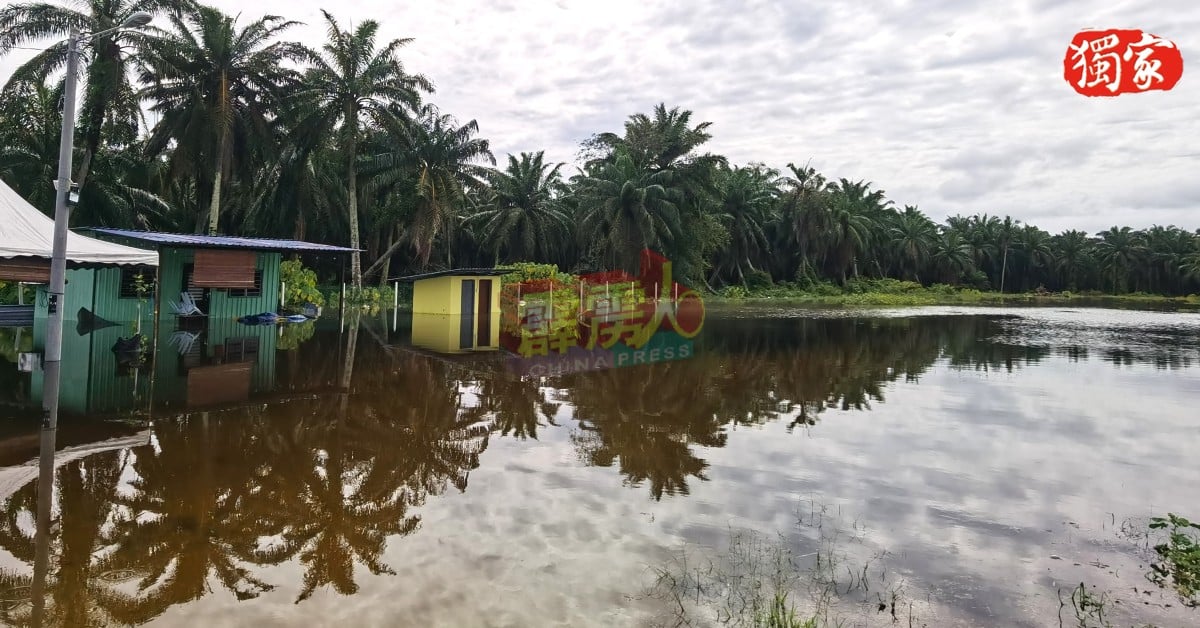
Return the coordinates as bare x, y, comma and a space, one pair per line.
956, 107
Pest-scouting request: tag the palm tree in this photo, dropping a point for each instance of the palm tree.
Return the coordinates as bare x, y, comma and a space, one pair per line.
218, 90
523, 216
1118, 249
744, 201
952, 254
1004, 233
30, 124
187, 520
110, 110
913, 235
803, 219
629, 209
1073, 256
853, 206
1037, 248
351, 78
667, 142
434, 156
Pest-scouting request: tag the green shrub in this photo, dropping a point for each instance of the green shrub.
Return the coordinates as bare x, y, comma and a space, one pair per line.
528, 271
300, 286
758, 280
862, 285
735, 293
978, 280
941, 288
367, 296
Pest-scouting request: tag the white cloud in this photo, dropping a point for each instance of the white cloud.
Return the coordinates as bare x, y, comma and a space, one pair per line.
952, 107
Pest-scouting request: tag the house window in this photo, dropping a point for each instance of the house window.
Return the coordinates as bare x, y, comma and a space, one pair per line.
256, 291
130, 281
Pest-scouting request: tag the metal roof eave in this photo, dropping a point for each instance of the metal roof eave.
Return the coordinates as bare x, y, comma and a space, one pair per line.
460, 272
223, 242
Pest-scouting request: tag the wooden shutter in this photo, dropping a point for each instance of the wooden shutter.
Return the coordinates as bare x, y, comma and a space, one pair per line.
224, 269
30, 269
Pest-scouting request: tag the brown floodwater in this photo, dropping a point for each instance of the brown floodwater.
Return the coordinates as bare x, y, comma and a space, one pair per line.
923, 466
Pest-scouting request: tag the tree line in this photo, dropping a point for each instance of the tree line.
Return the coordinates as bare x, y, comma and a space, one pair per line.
249, 133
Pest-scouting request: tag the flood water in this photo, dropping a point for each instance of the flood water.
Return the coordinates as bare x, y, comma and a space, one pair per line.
976, 465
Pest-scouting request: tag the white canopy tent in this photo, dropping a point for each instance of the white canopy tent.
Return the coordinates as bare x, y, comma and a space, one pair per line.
27, 232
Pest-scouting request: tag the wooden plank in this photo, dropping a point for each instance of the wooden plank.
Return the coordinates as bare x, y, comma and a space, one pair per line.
30, 269
218, 383
224, 269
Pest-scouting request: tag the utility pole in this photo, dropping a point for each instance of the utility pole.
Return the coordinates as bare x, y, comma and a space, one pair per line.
52, 360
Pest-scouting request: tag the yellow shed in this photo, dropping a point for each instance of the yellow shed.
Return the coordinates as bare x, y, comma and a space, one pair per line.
456, 310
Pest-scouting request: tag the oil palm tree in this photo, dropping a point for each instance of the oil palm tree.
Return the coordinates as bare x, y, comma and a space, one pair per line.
1118, 250
1073, 256
218, 90
437, 157
853, 207
351, 77
804, 219
744, 202
952, 255
523, 217
110, 110
1038, 252
30, 124
913, 235
188, 519
628, 208
1004, 233
668, 142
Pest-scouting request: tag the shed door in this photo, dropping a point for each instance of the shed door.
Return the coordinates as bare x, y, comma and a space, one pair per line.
484, 337
466, 325
224, 269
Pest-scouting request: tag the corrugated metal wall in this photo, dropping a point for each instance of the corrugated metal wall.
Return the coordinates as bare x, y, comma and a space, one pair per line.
79, 293
109, 304
221, 305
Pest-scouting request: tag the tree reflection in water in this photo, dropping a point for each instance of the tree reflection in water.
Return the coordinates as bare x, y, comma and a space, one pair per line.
324, 483
219, 496
649, 420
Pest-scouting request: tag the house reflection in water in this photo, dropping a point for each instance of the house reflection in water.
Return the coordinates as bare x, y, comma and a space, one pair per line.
106, 374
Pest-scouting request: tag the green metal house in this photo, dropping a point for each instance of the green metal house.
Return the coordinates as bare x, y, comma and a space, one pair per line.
225, 277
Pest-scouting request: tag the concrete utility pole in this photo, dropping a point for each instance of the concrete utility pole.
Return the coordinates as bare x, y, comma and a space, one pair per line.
52, 360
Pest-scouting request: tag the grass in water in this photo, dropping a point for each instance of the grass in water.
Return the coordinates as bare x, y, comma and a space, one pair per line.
762, 582
1088, 607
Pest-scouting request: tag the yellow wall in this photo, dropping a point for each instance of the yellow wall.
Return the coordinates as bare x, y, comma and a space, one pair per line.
436, 296
437, 312
436, 332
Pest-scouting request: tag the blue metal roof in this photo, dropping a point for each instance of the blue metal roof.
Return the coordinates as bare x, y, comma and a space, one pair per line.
223, 242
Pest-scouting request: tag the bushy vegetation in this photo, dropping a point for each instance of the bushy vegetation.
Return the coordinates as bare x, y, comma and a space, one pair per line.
1180, 554
301, 285
254, 134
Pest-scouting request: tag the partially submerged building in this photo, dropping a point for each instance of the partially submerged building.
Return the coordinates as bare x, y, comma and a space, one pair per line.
218, 277
456, 310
